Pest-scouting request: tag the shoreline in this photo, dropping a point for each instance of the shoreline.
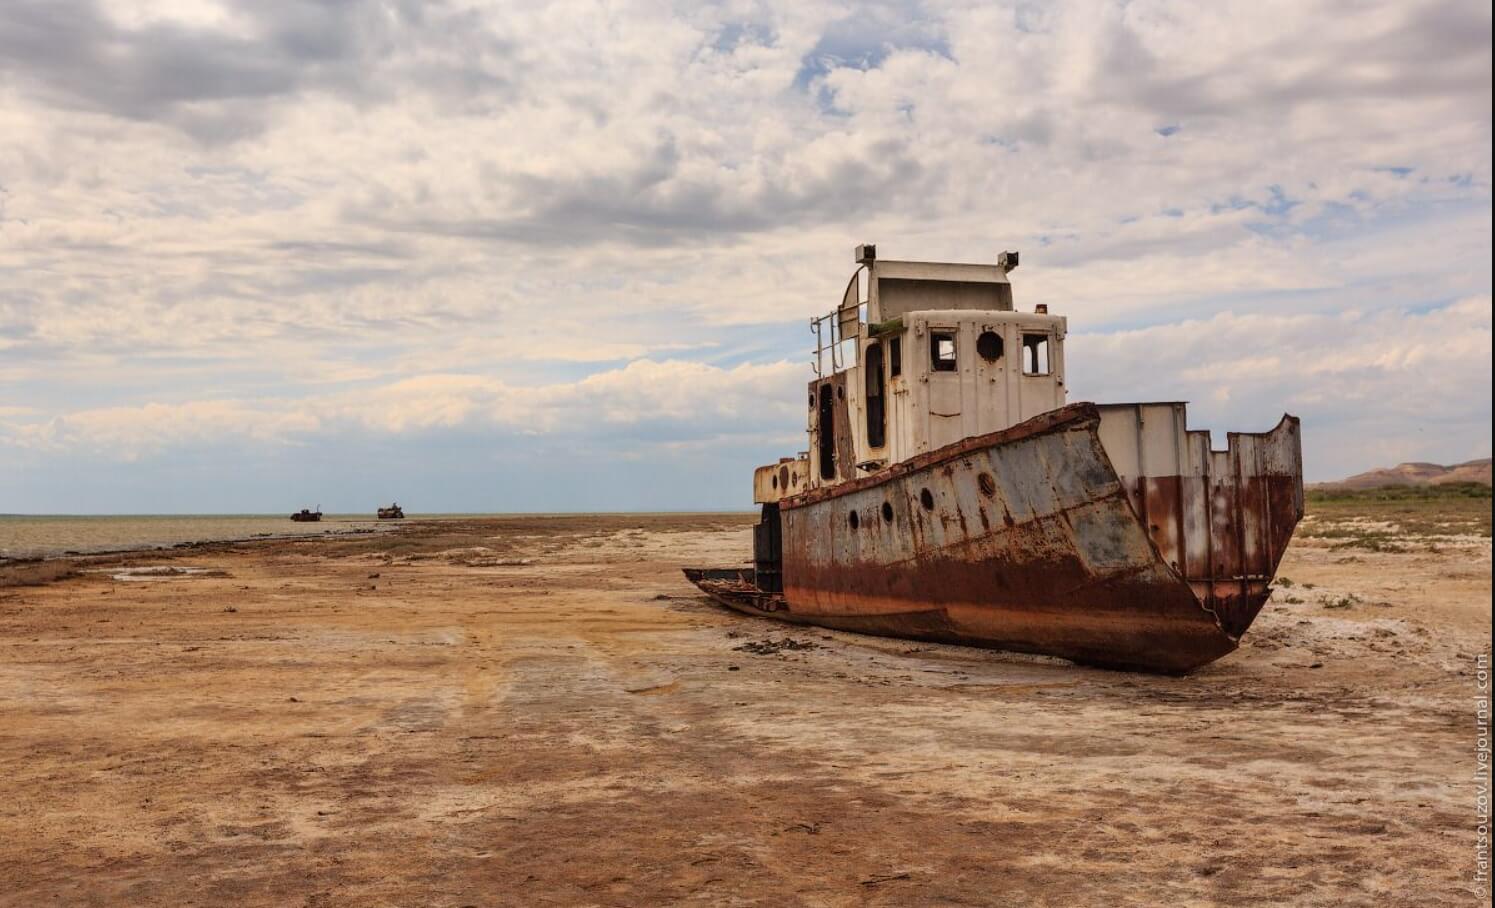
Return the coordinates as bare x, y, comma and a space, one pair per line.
70, 555
364, 526
9, 564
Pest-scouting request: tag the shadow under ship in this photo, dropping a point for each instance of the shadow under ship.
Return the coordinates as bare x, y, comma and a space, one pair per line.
950, 493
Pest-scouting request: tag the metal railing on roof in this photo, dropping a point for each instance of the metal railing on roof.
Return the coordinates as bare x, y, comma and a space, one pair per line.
834, 346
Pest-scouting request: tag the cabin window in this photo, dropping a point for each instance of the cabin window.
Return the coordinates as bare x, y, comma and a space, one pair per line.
942, 351
1035, 354
989, 346
826, 425
895, 357
876, 410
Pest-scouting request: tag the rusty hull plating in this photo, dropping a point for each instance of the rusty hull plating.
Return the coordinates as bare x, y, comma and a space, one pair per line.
1029, 541
1108, 534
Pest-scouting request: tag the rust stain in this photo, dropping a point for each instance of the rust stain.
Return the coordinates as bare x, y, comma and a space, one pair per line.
1125, 538
1163, 574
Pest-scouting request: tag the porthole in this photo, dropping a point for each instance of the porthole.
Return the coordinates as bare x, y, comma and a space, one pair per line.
926, 498
887, 512
989, 346
776, 481
854, 520
987, 485
783, 477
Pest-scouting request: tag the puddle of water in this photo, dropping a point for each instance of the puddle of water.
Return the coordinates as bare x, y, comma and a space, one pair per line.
151, 572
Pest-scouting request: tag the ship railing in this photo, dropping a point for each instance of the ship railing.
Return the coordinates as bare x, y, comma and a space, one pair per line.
836, 336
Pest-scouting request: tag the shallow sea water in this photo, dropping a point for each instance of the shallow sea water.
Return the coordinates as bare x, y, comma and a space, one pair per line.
28, 536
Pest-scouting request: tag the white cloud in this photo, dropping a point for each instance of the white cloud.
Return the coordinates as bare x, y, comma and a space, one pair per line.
1353, 377
322, 210
127, 433
1356, 379
633, 407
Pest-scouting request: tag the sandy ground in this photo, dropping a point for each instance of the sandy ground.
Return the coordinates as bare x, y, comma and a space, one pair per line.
542, 711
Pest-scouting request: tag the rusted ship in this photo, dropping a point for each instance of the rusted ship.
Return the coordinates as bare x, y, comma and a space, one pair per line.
393, 512
306, 516
951, 493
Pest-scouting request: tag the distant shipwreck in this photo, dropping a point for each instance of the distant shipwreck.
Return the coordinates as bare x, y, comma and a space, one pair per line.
950, 493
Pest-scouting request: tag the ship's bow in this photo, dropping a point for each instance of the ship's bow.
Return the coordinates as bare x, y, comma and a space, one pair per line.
1221, 519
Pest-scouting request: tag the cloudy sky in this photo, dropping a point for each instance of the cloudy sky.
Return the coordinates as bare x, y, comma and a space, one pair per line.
259, 254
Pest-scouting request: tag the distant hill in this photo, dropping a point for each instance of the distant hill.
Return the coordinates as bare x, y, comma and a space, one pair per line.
1416, 474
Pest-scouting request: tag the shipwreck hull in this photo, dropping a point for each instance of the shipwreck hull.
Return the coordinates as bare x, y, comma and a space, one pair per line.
1037, 539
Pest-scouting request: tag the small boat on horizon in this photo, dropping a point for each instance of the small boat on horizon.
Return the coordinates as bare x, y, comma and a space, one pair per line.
305, 516
393, 512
